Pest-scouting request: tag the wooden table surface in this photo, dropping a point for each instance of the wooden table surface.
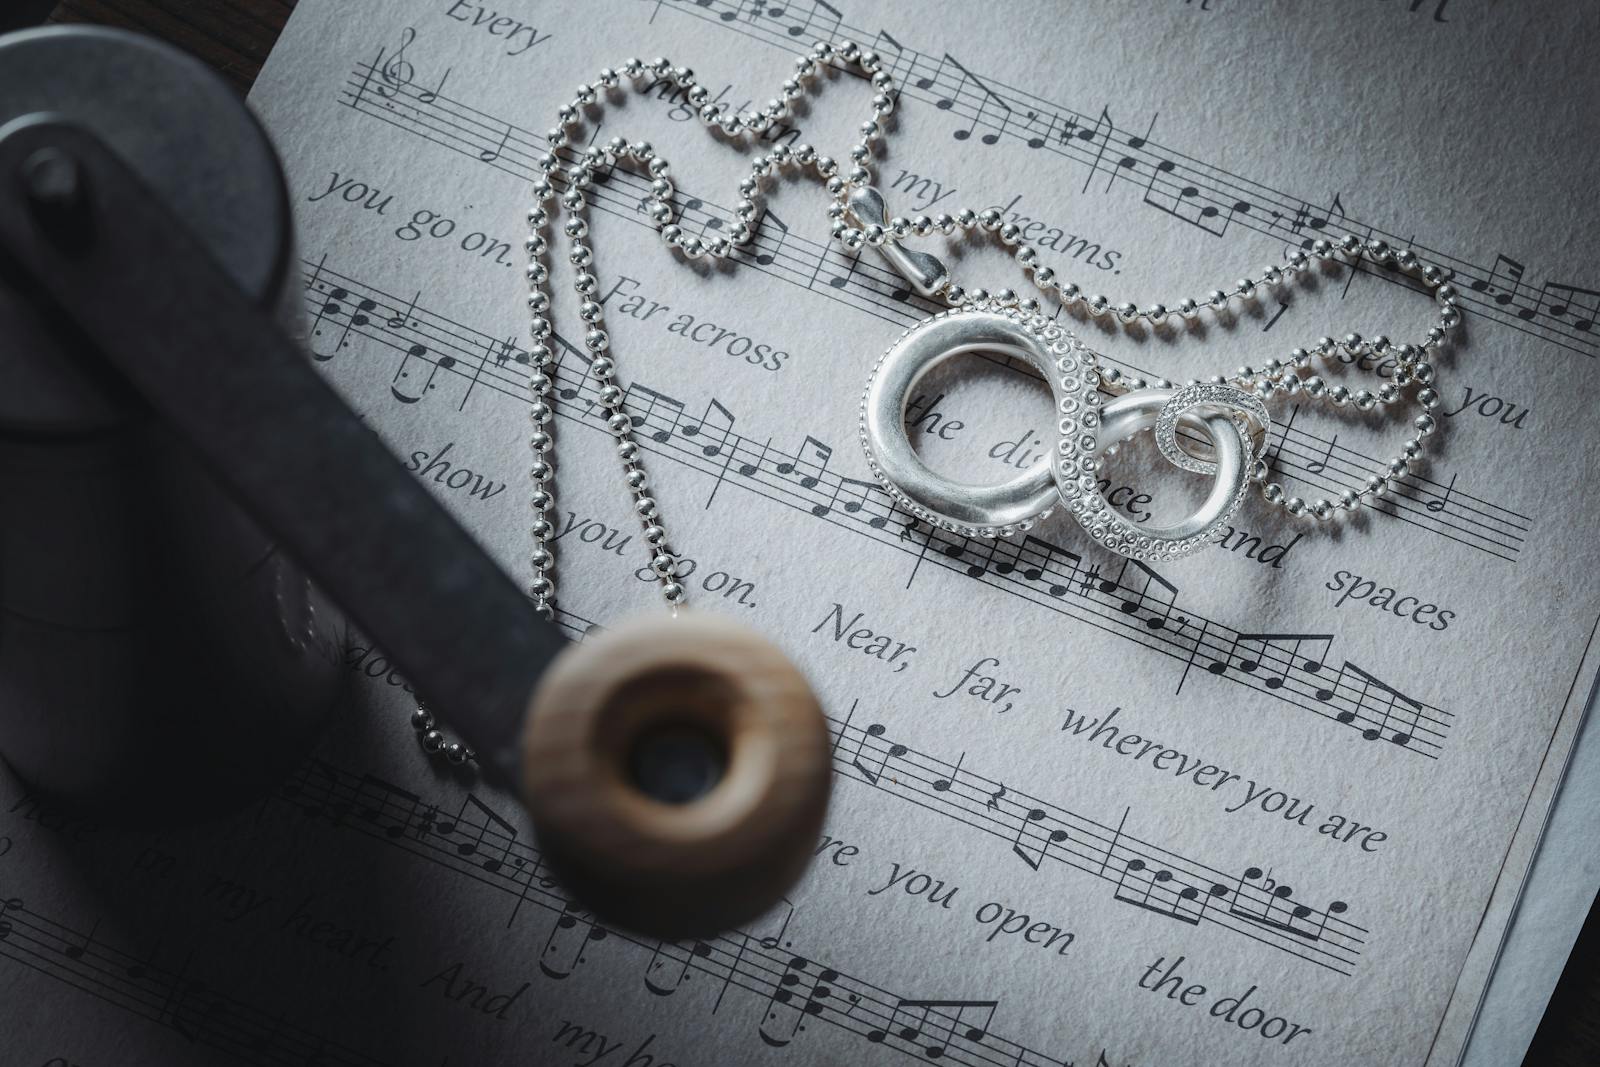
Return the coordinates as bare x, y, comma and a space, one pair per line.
234, 36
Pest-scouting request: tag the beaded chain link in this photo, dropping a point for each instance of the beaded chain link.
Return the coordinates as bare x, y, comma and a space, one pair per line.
1279, 376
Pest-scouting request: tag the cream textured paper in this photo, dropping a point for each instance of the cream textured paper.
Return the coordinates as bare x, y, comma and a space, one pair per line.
1006, 870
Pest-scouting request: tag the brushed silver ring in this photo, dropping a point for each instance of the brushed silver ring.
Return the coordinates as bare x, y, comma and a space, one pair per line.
994, 510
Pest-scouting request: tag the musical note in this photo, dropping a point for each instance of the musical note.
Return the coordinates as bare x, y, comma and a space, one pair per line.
930, 1024
1136, 142
1042, 129
374, 799
1393, 699
667, 968
504, 837
1196, 643
1031, 858
75, 950
357, 318
1335, 210
943, 783
784, 1018
882, 39
826, 29
720, 421
1317, 466
428, 96
884, 755
781, 1020
779, 915
978, 568
1044, 559
1504, 284
9, 905
489, 155
749, 470
1155, 889
853, 489
1185, 202
662, 428
418, 351
836, 281
1283, 661
582, 385
768, 250
1102, 130
988, 105
395, 322
1159, 602
1561, 300
812, 454
570, 936
325, 308
1438, 504
1275, 907
316, 801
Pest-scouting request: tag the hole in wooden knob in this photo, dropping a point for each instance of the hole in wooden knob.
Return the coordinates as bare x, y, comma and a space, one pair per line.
677, 762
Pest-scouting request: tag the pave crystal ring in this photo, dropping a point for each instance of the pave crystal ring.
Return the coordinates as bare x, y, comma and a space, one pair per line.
1246, 409
995, 510
1077, 463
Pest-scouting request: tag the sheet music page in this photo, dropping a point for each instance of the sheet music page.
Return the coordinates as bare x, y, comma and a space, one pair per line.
1266, 805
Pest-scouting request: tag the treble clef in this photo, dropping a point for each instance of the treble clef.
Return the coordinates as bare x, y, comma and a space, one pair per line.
398, 72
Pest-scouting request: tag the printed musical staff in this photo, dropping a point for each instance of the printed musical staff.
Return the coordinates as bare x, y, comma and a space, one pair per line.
1328, 467
1209, 197
762, 962
162, 994
1138, 603
1142, 874
868, 284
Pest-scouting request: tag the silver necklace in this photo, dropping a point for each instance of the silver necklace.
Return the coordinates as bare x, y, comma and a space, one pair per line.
1227, 413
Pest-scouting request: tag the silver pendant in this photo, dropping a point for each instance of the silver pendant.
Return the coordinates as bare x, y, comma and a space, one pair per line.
1228, 421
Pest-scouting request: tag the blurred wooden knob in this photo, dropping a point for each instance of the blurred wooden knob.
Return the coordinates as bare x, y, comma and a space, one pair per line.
677, 771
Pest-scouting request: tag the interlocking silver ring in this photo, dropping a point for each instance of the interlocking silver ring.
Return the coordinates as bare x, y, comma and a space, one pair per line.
995, 510
1077, 463
1247, 410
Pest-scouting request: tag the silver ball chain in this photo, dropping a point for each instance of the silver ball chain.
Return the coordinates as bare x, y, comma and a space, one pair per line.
1279, 376
578, 177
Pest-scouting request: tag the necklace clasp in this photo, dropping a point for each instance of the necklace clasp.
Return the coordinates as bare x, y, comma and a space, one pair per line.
926, 273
